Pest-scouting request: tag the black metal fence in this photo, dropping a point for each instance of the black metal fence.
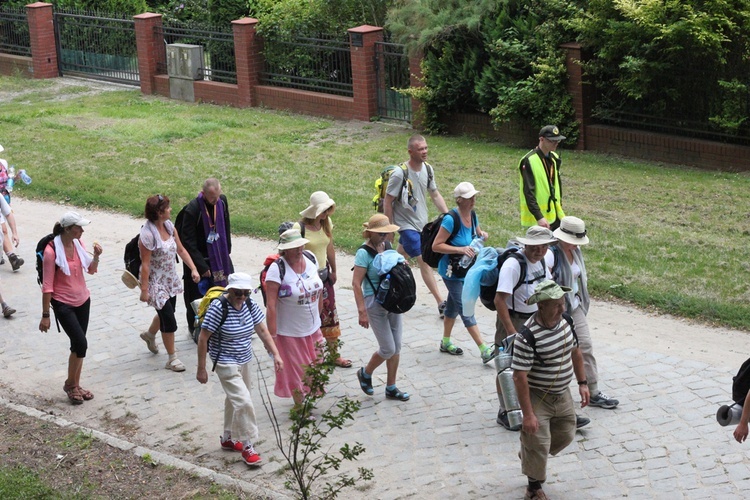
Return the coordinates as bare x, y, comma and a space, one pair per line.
320, 64
392, 72
97, 47
14, 32
702, 104
218, 48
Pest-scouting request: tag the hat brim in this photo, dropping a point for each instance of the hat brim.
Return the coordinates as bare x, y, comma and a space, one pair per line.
468, 195
569, 238
313, 211
533, 242
294, 244
390, 228
240, 285
129, 280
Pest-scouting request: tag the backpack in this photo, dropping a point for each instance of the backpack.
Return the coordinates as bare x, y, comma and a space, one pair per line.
430, 231
132, 256
213, 293
40, 256
488, 283
509, 341
381, 184
270, 259
741, 383
402, 292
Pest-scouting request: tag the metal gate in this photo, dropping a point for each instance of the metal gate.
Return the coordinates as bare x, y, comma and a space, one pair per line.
392, 72
96, 47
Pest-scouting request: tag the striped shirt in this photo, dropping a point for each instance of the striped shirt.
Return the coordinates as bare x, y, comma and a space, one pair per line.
554, 347
236, 332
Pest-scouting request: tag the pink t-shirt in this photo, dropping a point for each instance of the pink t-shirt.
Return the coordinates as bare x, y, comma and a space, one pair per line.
69, 290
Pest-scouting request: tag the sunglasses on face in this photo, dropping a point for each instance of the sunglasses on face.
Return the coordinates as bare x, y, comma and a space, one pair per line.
240, 293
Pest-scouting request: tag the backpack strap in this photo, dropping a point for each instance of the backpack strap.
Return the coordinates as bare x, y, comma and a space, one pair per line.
531, 340
224, 313
373, 253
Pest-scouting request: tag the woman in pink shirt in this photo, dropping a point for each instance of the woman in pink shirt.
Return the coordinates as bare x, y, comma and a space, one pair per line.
64, 288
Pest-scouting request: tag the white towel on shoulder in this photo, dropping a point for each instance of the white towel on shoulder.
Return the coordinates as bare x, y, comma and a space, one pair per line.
62, 262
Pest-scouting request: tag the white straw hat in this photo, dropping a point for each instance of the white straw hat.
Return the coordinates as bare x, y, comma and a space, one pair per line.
319, 203
572, 230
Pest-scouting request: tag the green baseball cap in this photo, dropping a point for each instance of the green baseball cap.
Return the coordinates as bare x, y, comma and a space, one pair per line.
547, 290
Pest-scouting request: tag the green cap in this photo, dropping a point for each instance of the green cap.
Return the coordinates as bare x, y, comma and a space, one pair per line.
547, 290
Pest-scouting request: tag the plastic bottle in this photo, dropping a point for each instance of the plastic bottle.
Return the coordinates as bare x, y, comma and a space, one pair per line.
11, 178
385, 285
476, 244
25, 177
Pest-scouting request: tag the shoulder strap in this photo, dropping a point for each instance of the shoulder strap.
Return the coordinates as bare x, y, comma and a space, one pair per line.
430, 174
282, 268
224, 313
456, 222
569, 319
372, 253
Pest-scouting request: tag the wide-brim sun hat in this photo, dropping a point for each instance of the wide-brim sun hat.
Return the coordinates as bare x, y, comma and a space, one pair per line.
572, 230
319, 203
291, 238
239, 281
537, 235
130, 280
73, 219
379, 223
465, 190
547, 290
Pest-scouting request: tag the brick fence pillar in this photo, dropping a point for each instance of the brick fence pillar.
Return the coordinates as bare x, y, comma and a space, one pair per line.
42, 34
416, 80
579, 90
248, 59
362, 49
150, 46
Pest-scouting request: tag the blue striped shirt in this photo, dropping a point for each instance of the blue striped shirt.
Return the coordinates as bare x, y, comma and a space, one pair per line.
236, 332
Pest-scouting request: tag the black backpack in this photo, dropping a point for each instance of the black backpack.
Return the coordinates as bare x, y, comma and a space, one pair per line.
132, 256
40, 256
430, 231
488, 283
741, 383
402, 293
508, 342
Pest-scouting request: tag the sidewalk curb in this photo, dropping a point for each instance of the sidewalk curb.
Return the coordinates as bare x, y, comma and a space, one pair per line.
157, 456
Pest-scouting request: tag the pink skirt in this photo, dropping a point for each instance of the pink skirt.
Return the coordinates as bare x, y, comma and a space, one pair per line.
297, 353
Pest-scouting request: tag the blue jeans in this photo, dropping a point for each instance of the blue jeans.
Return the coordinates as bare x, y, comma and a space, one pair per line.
454, 306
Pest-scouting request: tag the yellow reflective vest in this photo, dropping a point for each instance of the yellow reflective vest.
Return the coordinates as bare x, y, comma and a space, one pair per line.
547, 192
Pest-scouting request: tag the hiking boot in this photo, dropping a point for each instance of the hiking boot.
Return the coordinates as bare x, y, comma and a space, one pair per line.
582, 421
230, 444
441, 309
489, 354
15, 261
8, 311
250, 457
603, 401
502, 419
535, 495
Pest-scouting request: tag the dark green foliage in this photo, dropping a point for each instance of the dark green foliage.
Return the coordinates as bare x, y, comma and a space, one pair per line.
501, 57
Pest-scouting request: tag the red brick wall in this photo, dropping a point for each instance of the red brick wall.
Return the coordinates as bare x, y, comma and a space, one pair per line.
11, 65
668, 148
217, 93
303, 101
161, 85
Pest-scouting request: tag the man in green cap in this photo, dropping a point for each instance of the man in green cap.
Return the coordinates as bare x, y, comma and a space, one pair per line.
542, 373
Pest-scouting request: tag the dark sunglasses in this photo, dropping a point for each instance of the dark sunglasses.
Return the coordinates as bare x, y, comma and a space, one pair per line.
240, 293
577, 235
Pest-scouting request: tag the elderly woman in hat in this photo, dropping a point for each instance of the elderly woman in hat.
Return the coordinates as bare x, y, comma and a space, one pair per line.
64, 289
565, 261
293, 310
387, 326
318, 230
226, 335
454, 243
159, 244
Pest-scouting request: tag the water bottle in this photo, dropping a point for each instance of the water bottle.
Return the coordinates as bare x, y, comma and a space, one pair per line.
385, 285
11, 179
25, 177
476, 244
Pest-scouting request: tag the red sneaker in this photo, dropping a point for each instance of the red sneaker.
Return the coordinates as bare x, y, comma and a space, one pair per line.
230, 444
250, 457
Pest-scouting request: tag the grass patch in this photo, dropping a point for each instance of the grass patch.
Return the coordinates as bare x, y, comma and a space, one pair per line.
661, 236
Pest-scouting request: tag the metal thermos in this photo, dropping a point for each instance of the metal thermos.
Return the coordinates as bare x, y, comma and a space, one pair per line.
510, 398
729, 414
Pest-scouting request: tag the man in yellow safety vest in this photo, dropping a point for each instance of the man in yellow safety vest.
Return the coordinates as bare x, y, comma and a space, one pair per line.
540, 192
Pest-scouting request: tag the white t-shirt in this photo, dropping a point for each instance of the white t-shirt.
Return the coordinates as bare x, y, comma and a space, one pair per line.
297, 308
509, 274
